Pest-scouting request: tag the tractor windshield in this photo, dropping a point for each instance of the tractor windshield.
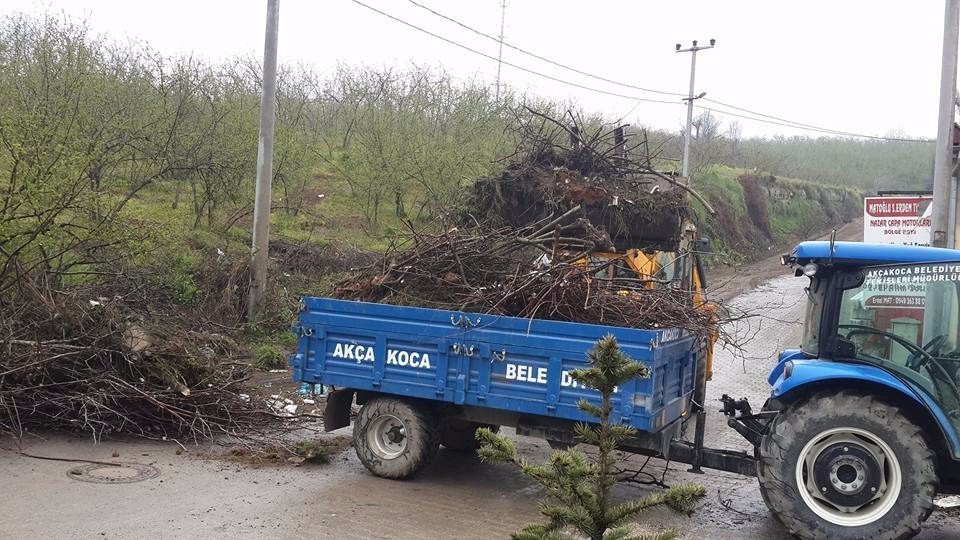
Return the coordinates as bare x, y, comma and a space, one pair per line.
905, 319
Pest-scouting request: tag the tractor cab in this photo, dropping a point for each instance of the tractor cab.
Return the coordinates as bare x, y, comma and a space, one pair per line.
893, 307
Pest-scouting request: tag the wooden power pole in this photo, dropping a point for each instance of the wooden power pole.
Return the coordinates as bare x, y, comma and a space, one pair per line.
685, 168
503, 16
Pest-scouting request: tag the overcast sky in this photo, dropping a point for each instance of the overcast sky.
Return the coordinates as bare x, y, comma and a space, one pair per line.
868, 67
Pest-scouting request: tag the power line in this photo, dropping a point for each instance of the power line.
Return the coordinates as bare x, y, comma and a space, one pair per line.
779, 121
515, 66
765, 118
792, 123
808, 127
542, 58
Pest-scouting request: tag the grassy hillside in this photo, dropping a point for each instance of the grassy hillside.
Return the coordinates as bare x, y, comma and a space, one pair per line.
758, 212
329, 233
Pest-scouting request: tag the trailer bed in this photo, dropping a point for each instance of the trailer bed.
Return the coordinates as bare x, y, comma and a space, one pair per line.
505, 363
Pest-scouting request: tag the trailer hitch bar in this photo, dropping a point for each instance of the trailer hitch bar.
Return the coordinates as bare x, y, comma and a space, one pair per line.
749, 425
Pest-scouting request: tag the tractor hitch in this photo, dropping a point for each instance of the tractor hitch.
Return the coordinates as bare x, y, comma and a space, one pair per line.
749, 425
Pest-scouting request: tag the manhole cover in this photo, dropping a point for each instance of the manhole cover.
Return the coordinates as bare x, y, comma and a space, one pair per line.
124, 473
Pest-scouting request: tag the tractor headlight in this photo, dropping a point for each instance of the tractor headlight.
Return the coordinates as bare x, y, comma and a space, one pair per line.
810, 269
787, 369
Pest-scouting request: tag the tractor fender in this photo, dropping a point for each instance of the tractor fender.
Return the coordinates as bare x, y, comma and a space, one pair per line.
794, 377
789, 354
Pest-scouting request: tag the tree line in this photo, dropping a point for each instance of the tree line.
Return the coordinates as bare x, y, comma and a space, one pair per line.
868, 164
88, 125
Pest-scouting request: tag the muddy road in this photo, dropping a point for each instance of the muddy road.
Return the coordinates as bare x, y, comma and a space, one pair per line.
457, 497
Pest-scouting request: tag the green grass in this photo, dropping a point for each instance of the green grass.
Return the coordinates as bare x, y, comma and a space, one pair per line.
336, 218
796, 209
266, 357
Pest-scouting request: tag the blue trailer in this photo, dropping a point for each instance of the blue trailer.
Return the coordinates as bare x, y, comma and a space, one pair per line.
442, 374
465, 359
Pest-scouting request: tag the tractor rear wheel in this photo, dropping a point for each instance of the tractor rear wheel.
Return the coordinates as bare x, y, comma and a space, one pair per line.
844, 464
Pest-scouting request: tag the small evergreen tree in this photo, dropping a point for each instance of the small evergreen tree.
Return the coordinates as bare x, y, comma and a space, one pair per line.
578, 486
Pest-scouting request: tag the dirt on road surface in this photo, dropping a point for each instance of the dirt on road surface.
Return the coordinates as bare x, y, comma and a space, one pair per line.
186, 496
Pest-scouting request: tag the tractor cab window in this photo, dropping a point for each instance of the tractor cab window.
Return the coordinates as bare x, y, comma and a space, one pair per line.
671, 266
905, 319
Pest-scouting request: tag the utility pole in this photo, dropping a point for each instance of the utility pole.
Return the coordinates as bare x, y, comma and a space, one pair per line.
954, 224
943, 158
689, 99
261, 205
503, 16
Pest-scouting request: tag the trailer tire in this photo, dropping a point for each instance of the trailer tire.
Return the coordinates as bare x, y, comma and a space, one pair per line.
461, 435
395, 438
842, 443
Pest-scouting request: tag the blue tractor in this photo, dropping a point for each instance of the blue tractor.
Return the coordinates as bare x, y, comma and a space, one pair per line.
861, 428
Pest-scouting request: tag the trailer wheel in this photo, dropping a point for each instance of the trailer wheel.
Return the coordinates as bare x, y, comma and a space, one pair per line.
461, 435
395, 438
847, 465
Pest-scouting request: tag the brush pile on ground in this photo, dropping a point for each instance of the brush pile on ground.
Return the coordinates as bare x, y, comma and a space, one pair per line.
525, 248
114, 357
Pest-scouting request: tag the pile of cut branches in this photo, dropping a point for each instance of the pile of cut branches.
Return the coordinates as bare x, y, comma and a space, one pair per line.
107, 359
528, 245
544, 270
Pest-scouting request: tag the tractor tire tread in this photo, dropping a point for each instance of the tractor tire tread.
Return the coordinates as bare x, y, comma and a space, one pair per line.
775, 467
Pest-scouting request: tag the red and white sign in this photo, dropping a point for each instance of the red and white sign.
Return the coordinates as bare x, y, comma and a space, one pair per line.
897, 220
